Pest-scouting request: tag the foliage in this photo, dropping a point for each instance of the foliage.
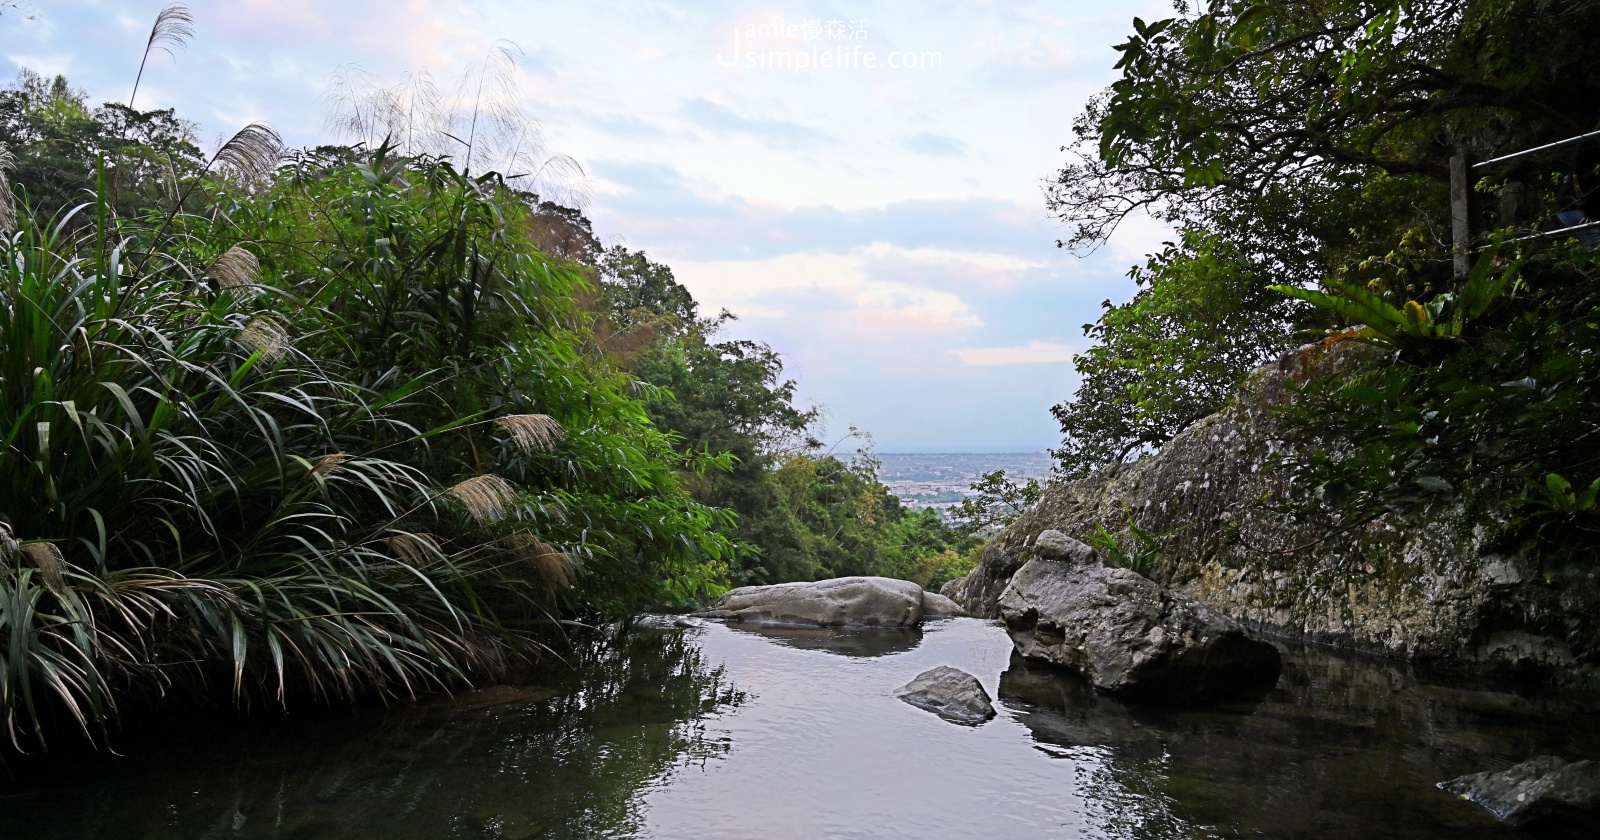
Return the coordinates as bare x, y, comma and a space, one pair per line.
997, 502
1239, 97
805, 514
1140, 557
1500, 406
337, 436
1203, 317
1414, 326
57, 139
1297, 144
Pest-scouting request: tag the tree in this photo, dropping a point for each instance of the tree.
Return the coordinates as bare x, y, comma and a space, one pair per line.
1245, 96
59, 143
1292, 142
1202, 319
999, 501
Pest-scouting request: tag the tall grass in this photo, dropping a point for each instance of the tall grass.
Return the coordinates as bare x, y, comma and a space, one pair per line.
335, 437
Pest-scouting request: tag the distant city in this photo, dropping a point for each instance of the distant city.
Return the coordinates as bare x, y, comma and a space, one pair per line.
942, 480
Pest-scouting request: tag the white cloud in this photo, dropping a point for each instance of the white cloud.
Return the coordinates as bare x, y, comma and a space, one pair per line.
761, 288
1032, 353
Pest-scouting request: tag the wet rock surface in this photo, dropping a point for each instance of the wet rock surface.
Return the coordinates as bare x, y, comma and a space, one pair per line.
840, 602
1541, 789
1128, 636
950, 693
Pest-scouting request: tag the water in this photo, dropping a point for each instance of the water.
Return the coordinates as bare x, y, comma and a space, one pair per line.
715, 732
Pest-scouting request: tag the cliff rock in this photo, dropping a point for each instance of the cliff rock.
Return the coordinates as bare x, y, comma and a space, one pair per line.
1438, 586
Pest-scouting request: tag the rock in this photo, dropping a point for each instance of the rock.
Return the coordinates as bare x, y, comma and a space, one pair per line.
1538, 788
1432, 584
952, 588
869, 601
935, 605
1054, 545
1130, 637
950, 693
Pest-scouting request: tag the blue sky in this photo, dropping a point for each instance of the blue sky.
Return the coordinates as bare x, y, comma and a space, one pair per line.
882, 226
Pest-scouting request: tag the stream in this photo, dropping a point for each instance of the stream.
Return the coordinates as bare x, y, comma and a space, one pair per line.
717, 732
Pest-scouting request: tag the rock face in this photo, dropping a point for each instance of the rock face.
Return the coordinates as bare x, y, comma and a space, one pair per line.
866, 601
935, 605
1538, 788
1127, 635
1440, 587
950, 693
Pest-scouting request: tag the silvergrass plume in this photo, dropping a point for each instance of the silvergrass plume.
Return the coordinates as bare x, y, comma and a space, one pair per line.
485, 497
479, 120
418, 550
251, 154
532, 432
552, 566
8, 203
263, 334
235, 269
173, 28
328, 464
50, 563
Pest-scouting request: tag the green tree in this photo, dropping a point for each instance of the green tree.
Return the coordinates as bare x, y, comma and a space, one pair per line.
1293, 142
58, 141
997, 502
1203, 317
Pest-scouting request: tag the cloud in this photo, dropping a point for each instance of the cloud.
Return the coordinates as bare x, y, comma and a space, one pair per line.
825, 286
776, 133
1032, 353
929, 143
1039, 62
654, 202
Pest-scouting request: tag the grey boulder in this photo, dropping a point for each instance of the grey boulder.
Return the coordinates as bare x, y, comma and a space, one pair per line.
935, 605
1054, 545
1540, 787
950, 693
1127, 635
862, 601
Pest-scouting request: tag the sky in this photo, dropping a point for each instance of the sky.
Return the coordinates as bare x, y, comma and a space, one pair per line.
861, 183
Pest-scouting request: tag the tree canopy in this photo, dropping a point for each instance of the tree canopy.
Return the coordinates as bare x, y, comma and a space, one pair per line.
1293, 142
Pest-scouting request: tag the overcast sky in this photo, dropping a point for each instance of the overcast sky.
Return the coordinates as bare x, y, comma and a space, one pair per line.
882, 226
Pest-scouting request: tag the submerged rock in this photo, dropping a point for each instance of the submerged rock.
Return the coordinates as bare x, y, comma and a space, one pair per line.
1129, 636
868, 601
935, 605
1538, 788
950, 693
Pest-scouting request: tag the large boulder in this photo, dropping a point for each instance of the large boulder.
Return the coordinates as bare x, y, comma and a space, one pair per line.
935, 605
1442, 584
950, 693
864, 601
1536, 789
1129, 636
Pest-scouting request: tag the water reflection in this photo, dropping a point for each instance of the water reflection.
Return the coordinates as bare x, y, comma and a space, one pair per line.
651, 740
567, 759
866, 642
1341, 748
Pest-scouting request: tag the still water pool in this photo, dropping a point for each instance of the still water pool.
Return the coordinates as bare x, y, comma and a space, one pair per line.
714, 732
